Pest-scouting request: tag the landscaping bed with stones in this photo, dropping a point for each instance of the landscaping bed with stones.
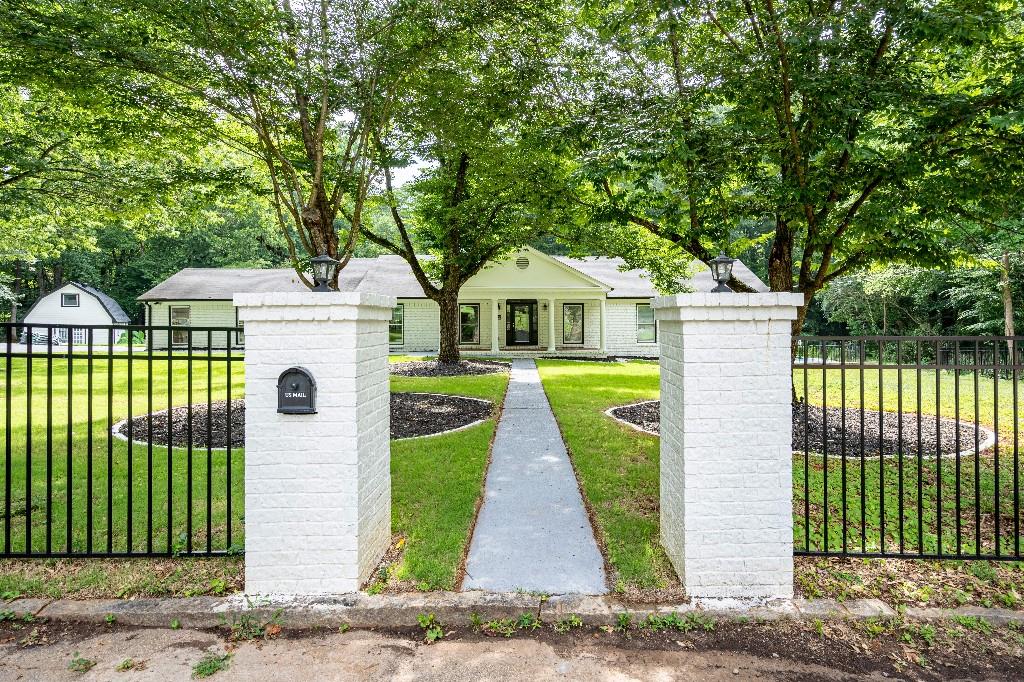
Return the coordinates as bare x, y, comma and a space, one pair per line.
882, 431
412, 415
431, 368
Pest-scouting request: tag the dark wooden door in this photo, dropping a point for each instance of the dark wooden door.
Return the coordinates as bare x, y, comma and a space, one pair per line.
521, 323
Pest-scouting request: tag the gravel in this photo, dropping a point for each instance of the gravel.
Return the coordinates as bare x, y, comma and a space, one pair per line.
412, 414
885, 439
430, 368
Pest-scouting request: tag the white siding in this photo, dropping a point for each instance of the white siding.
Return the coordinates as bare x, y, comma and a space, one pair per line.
89, 311
204, 314
622, 329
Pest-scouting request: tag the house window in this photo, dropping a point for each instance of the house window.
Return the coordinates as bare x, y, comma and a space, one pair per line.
240, 330
180, 316
572, 323
69, 301
469, 323
396, 329
646, 328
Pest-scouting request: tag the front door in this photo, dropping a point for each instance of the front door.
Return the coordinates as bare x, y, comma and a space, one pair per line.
521, 323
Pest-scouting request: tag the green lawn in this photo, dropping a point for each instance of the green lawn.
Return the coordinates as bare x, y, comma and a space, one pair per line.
436, 482
618, 468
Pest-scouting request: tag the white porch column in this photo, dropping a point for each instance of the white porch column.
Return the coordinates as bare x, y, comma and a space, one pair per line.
551, 325
317, 486
495, 325
604, 324
726, 442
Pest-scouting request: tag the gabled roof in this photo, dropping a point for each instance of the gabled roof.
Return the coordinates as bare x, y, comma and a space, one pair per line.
117, 313
391, 275
113, 308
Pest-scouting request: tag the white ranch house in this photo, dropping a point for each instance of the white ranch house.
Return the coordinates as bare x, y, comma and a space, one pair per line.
528, 304
74, 306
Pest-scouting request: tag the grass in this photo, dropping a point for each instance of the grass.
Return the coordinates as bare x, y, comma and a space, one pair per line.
618, 469
436, 482
617, 466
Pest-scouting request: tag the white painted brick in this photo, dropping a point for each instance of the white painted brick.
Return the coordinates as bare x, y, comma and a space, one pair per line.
317, 487
726, 518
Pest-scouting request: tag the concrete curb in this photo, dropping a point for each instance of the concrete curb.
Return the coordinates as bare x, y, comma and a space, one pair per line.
454, 609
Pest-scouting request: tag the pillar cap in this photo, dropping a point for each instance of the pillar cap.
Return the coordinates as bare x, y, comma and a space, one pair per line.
300, 305
725, 306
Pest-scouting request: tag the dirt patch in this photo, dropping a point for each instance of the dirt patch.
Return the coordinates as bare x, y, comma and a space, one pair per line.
922, 583
412, 414
430, 368
883, 431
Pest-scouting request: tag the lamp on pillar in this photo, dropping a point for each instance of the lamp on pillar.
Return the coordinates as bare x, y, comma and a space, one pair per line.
721, 271
324, 268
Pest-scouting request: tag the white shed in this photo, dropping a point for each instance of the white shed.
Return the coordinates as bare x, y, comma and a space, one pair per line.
72, 305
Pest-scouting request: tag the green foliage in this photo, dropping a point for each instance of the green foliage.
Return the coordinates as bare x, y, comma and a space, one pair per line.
210, 665
505, 627
79, 664
432, 630
570, 622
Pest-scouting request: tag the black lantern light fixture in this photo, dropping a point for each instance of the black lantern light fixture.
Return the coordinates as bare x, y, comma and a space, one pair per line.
721, 271
324, 268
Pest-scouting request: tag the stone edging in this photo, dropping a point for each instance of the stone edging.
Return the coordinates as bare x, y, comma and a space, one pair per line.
457, 608
631, 425
115, 430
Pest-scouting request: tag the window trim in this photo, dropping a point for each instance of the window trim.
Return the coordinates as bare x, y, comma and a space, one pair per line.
76, 304
583, 326
479, 324
170, 323
401, 325
239, 330
653, 324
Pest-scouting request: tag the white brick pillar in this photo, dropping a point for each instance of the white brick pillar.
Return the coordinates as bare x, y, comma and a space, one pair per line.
317, 486
726, 442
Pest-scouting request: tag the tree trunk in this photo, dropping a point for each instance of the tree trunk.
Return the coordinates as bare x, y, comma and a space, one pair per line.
1007, 292
448, 353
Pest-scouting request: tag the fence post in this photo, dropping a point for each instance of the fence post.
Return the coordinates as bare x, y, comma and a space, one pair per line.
317, 486
726, 442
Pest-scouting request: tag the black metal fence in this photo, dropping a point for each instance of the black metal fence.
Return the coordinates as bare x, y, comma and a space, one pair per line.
117, 440
908, 446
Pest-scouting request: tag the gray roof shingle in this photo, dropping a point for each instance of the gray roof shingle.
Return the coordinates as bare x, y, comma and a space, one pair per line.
391, 275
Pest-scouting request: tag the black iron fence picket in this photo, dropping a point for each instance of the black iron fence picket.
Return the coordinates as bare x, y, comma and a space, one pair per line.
88, 412
908, 446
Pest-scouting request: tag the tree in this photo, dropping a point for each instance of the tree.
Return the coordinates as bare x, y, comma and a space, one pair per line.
850, 130
299, 86
477, 119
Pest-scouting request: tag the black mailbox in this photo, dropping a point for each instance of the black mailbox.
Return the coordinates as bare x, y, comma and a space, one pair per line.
296, 392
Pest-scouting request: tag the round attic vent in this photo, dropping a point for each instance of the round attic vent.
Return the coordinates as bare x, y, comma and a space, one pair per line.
522, 262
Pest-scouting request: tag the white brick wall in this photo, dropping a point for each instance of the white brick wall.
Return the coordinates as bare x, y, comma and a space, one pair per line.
726, 442
622, 329
317, 487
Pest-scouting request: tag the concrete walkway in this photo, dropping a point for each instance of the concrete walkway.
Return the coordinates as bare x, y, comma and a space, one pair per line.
533, 533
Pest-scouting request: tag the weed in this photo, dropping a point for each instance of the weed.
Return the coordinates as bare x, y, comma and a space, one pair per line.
568, 623
703, 621
209, 665
110, 619
7, 614
175, 624
506, 627
819, 627
974, 623
1009, 599
218, 586
432, 630
130, 664
79, 664
528, 621
475, 620
343, 628
245, 626
9, 595
623, 621
982, 570
874, 627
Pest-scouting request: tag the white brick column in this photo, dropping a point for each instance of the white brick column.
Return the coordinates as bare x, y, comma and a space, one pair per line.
726, 442
317, 486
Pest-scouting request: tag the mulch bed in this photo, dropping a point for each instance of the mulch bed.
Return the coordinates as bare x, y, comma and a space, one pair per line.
412, 414
884, 437
430, 368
